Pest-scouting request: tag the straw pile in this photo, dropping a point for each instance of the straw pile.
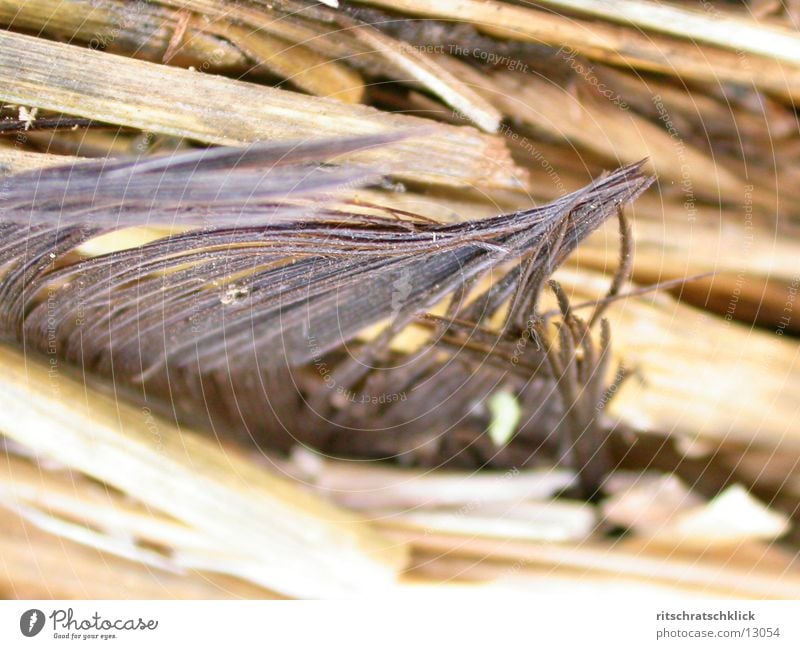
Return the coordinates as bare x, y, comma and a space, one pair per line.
169, 169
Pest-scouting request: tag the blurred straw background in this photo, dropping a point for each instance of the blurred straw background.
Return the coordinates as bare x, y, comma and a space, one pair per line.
524, 103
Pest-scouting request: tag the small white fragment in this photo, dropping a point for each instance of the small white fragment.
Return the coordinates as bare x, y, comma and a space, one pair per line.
27, 116
734, 515
665, 509
693, 447
506, 413
233, 293
647, 503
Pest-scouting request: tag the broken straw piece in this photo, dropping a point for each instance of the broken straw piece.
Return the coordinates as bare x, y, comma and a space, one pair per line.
734, 515
665, 509
647, 504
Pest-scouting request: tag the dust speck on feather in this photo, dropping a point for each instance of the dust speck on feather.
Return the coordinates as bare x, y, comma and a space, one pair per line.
27, 116
233, 293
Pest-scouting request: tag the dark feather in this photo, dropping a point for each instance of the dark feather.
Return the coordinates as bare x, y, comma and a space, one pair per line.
252, 322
